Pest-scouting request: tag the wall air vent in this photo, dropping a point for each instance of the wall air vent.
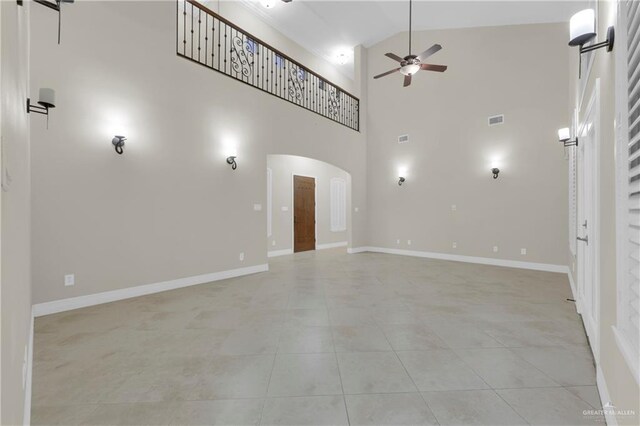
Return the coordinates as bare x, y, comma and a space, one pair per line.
496, 119
403, 138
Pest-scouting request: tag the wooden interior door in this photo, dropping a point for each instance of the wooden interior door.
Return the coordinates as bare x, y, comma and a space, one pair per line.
304, 213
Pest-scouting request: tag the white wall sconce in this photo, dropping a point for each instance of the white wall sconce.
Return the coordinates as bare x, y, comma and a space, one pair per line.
582, 29
46, 100
118, 143
564, 136
496, 172
232, 161
402, 175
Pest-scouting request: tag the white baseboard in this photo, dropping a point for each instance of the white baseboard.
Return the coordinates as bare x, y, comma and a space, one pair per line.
468, 259
574, 292
277, 253
354, 250
605, 398
26, 418
331, 245
62, 305
285, 252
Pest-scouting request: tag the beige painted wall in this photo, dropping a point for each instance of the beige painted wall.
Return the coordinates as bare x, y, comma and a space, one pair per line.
283, 168
519, 71
623, 389
170, 207
15, 229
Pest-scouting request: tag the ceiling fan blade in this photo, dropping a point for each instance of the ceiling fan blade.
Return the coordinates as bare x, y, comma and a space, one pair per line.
394, 57
387, 73
431, 67
430, 51
407, 80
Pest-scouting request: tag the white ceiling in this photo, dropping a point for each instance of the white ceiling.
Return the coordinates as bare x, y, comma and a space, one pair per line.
326, 27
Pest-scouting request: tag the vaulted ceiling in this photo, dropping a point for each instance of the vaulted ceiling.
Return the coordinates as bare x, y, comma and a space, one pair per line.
327, 27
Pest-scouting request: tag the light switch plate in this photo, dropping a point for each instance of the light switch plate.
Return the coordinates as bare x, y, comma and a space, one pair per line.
523, 251
284, 208
257, 207
454, 207
241, 257
495, 249
69, 280
454, 245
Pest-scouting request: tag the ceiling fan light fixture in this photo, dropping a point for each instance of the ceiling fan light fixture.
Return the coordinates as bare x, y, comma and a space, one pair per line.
410, 69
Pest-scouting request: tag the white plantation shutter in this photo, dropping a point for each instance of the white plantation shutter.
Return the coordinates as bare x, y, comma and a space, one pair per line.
629, 198
338, 205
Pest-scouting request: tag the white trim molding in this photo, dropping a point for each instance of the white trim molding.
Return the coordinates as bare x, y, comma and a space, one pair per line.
276, 253
354, 250
467, 259
605, 399
69, 304
331, 245
627, 353
26, 419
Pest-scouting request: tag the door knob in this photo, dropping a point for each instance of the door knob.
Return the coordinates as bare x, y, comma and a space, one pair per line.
585, 239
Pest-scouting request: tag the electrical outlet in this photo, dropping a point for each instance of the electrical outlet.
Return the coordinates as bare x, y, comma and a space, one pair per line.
523, 251
455, 245
495, 249
398, 241
257, 207
454, 207
273, 243
408, 242
69, 280
241, 257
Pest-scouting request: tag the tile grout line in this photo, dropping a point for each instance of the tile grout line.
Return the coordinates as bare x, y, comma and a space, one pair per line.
335, 354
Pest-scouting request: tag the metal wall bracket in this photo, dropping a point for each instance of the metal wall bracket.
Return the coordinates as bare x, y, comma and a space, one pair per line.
38, 109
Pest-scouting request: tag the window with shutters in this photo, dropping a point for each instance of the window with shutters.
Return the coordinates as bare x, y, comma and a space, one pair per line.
628, 184
338, 205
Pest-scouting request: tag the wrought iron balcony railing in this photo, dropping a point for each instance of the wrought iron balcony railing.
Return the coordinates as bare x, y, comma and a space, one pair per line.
205, 37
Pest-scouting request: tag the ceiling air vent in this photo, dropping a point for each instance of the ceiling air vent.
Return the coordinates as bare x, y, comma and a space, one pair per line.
496, 119
403, 138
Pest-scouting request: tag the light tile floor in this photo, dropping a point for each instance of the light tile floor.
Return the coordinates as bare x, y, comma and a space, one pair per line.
325, 338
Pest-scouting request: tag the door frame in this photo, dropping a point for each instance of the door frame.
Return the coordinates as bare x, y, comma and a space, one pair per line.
592, 327
293, 210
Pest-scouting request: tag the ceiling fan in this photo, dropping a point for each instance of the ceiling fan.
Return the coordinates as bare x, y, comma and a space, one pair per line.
411, 64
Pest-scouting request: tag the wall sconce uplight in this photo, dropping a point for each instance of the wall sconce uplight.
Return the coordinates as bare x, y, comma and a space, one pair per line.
564, 136
46, 100
118, 143
401, 181
232, 161
496, 172
582, 29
